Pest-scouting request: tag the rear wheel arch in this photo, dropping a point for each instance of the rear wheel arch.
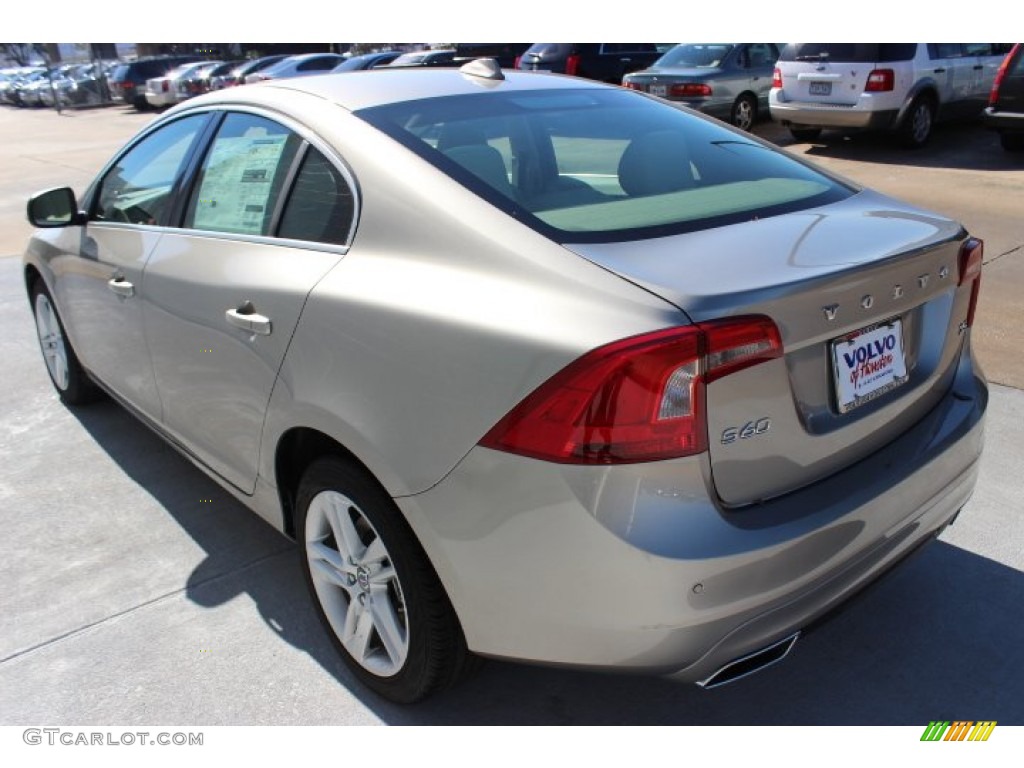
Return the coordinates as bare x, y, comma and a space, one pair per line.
296, 450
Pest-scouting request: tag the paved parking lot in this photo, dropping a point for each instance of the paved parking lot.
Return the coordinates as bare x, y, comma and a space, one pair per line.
136, 591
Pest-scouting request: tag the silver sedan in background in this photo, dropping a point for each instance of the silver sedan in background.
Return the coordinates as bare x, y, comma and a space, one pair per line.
728, 80
531, 367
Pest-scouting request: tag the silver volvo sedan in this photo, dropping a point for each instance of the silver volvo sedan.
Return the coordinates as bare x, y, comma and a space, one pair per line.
531, 367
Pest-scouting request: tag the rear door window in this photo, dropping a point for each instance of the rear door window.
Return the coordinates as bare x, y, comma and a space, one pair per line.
242, 176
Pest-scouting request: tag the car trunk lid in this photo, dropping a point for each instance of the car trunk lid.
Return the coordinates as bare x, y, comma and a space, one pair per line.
847, 285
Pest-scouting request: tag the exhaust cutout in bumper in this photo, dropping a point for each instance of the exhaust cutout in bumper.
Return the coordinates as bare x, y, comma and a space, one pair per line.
751, 663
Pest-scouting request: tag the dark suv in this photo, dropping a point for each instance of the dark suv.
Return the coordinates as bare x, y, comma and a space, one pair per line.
607, 62
128, 83
1005, 111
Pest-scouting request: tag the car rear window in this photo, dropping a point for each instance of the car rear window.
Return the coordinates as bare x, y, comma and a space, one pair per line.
850, 53
696, 55
594, 165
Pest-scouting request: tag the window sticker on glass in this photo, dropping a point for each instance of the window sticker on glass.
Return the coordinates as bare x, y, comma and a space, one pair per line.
235, 195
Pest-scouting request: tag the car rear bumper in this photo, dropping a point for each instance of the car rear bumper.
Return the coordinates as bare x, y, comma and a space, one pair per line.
161, 99
635, 567
812, 115
1004, 122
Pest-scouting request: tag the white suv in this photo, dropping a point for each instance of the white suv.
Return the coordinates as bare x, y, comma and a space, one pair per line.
904, 87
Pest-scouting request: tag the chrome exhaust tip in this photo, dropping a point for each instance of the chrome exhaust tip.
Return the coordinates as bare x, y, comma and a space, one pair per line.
751, 663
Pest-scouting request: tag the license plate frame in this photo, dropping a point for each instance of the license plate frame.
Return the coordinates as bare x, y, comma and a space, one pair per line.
867, 364
820, 88
658, 90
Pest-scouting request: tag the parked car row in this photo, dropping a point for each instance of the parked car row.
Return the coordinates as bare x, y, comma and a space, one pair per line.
904, 88
67, 85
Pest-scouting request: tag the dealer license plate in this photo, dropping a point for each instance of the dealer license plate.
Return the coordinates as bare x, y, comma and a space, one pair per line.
821, 89
868, 363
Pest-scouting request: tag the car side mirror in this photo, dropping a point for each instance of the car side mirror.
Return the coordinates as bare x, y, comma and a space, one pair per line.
54, 208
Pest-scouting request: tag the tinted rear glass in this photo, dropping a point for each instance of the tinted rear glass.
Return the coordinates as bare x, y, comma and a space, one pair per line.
550, 50
852, 53
594, 165
708, 55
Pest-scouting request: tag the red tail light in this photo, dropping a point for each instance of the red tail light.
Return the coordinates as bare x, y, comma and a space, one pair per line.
972, 253
572, 65
880, 80
165, 86
638, 399
993, 96
632, 86
515, 64
690, 89
777, 78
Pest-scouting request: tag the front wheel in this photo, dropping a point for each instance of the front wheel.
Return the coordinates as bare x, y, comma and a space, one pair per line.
69, 378
744, 112
376, 592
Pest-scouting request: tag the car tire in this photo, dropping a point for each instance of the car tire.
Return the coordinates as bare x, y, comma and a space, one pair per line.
744, 112
805, 134
72, 383
375, 590
916, 128
1012, 142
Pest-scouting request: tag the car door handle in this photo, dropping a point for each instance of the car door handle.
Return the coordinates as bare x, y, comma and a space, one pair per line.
939, 71
121, 287
979, 66
245, 317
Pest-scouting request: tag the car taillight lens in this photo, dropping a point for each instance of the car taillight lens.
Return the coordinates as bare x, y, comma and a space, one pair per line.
972, 253
165, 86
632, 86
777, 78
993, 96
690, 89
572, 65
638, 399
515, 64
880, 80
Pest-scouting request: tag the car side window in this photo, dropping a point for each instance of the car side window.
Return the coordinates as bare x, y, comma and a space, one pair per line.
137, 189
316, 65
944, 50
760, 55
320, 206
242, 176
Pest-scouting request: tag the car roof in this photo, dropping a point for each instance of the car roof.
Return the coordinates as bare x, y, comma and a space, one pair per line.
376, 87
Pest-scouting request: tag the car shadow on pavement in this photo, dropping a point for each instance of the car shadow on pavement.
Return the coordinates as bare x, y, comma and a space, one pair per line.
965, 145
941, 638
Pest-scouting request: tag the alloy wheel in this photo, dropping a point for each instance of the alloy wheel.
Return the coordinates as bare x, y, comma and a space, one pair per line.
356, 584
51, 339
